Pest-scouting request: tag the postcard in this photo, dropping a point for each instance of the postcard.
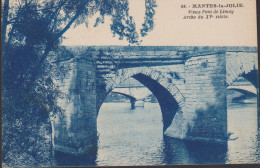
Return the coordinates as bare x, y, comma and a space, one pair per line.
129, 83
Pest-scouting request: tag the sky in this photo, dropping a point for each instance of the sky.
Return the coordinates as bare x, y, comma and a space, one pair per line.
172, 30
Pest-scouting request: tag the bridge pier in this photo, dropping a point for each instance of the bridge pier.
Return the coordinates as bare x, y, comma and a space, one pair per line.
132, 101
204, 116
75, 128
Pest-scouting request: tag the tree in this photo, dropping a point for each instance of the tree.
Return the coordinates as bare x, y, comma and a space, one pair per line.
31, 29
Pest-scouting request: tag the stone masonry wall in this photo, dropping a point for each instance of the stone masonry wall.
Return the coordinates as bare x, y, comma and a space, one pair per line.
205, 110
75, 128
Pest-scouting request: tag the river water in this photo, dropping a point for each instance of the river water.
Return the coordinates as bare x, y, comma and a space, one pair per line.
135, 137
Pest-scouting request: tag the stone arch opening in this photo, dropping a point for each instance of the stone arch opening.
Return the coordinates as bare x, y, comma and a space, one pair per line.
245, 69
241, 91
168, 95
251, 77
242, 65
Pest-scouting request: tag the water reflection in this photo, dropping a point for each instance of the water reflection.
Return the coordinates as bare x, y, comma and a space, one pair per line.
130, 137
63, 159
135, 137
188, 152
243, 126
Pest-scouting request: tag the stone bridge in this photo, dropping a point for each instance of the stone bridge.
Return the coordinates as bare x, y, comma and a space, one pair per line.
245, 90
134, 94
189, 83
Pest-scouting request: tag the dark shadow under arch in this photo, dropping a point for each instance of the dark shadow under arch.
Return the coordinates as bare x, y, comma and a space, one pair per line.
168, 104
168, 95
252, 77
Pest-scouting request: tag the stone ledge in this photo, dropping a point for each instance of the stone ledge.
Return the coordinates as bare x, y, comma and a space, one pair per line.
207, 140
68, 150
200, 139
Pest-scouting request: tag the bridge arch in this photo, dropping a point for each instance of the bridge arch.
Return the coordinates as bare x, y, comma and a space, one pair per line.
168, 95
245, 90
241, 64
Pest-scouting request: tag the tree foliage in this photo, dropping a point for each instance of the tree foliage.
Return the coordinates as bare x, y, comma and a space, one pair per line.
31, 29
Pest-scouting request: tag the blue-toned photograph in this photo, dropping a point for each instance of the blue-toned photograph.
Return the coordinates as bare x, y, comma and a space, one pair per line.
105, 83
